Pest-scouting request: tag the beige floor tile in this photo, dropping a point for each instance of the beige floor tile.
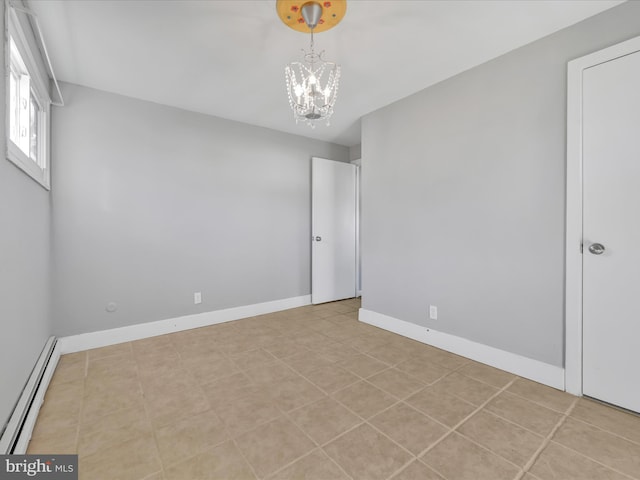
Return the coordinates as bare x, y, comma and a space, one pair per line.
322, 325
221, 462
78, 357
252, 358
104, 432
271, 372
390, 353
506, 439
409, 428
611, 450
324, 420
621, 423
396, 382
69, 370
315, 466
125, 382
364, 343
363, 365
335, 352
156, 368
167, 404
466, 388
60, 442
270, 447
285, 348
343, 334
559, 463
226, 390
295, 392
487, 374
445, 359
529, 415
130, 460
310, 338
112, 368
197, 348
343, 307
246, 413
460, 459
424, 370
417, 471
119, 349
152, 345
189, 436
155, 476
331, 378
210, 368
446, 409
541, 394
364, 399
163, 375
52, 419
365, 453
306, 362
66, 395
64, 398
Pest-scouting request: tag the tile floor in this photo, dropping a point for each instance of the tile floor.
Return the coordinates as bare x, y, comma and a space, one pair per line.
311, 393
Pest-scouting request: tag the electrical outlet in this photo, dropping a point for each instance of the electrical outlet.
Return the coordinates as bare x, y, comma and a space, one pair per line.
197, 297
433, 312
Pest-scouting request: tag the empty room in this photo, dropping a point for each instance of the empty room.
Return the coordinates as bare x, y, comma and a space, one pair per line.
345, 239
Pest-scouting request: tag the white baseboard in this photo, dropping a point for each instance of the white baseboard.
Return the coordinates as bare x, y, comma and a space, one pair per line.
103, 338
16, 436
535, 370
30, 422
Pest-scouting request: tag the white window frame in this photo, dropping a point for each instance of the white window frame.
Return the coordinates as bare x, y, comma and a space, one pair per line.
40, 171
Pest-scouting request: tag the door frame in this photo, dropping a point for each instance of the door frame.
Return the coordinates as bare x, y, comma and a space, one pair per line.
574, 206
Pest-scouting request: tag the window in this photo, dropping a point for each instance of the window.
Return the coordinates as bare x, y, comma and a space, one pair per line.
29, 106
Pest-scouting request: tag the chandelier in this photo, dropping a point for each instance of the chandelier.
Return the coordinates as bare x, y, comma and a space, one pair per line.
312, 84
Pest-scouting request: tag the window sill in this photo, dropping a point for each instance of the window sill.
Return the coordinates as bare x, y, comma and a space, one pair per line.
28, 166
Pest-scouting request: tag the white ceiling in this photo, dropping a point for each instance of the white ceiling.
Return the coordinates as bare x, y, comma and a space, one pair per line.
227, 57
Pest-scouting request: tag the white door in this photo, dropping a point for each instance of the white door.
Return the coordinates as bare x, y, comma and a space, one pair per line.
611, 231
333, 219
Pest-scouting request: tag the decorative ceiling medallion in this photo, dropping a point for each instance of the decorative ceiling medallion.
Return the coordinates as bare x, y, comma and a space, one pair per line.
290, 12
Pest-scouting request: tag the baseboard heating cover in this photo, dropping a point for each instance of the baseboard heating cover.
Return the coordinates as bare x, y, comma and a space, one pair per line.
17, 432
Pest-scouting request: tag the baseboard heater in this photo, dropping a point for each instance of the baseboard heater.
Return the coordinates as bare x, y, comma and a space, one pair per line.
17, 432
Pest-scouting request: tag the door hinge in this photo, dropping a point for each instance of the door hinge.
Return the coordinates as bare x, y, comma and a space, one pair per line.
581, 247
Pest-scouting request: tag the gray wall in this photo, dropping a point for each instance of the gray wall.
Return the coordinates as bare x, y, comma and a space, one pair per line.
464, 196
355, 152
153, 203
24, 270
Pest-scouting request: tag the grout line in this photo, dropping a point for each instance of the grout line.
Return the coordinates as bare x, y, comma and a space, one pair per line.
608, 467
635, 442
452, 429
546, 441
538, 403
233, 440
